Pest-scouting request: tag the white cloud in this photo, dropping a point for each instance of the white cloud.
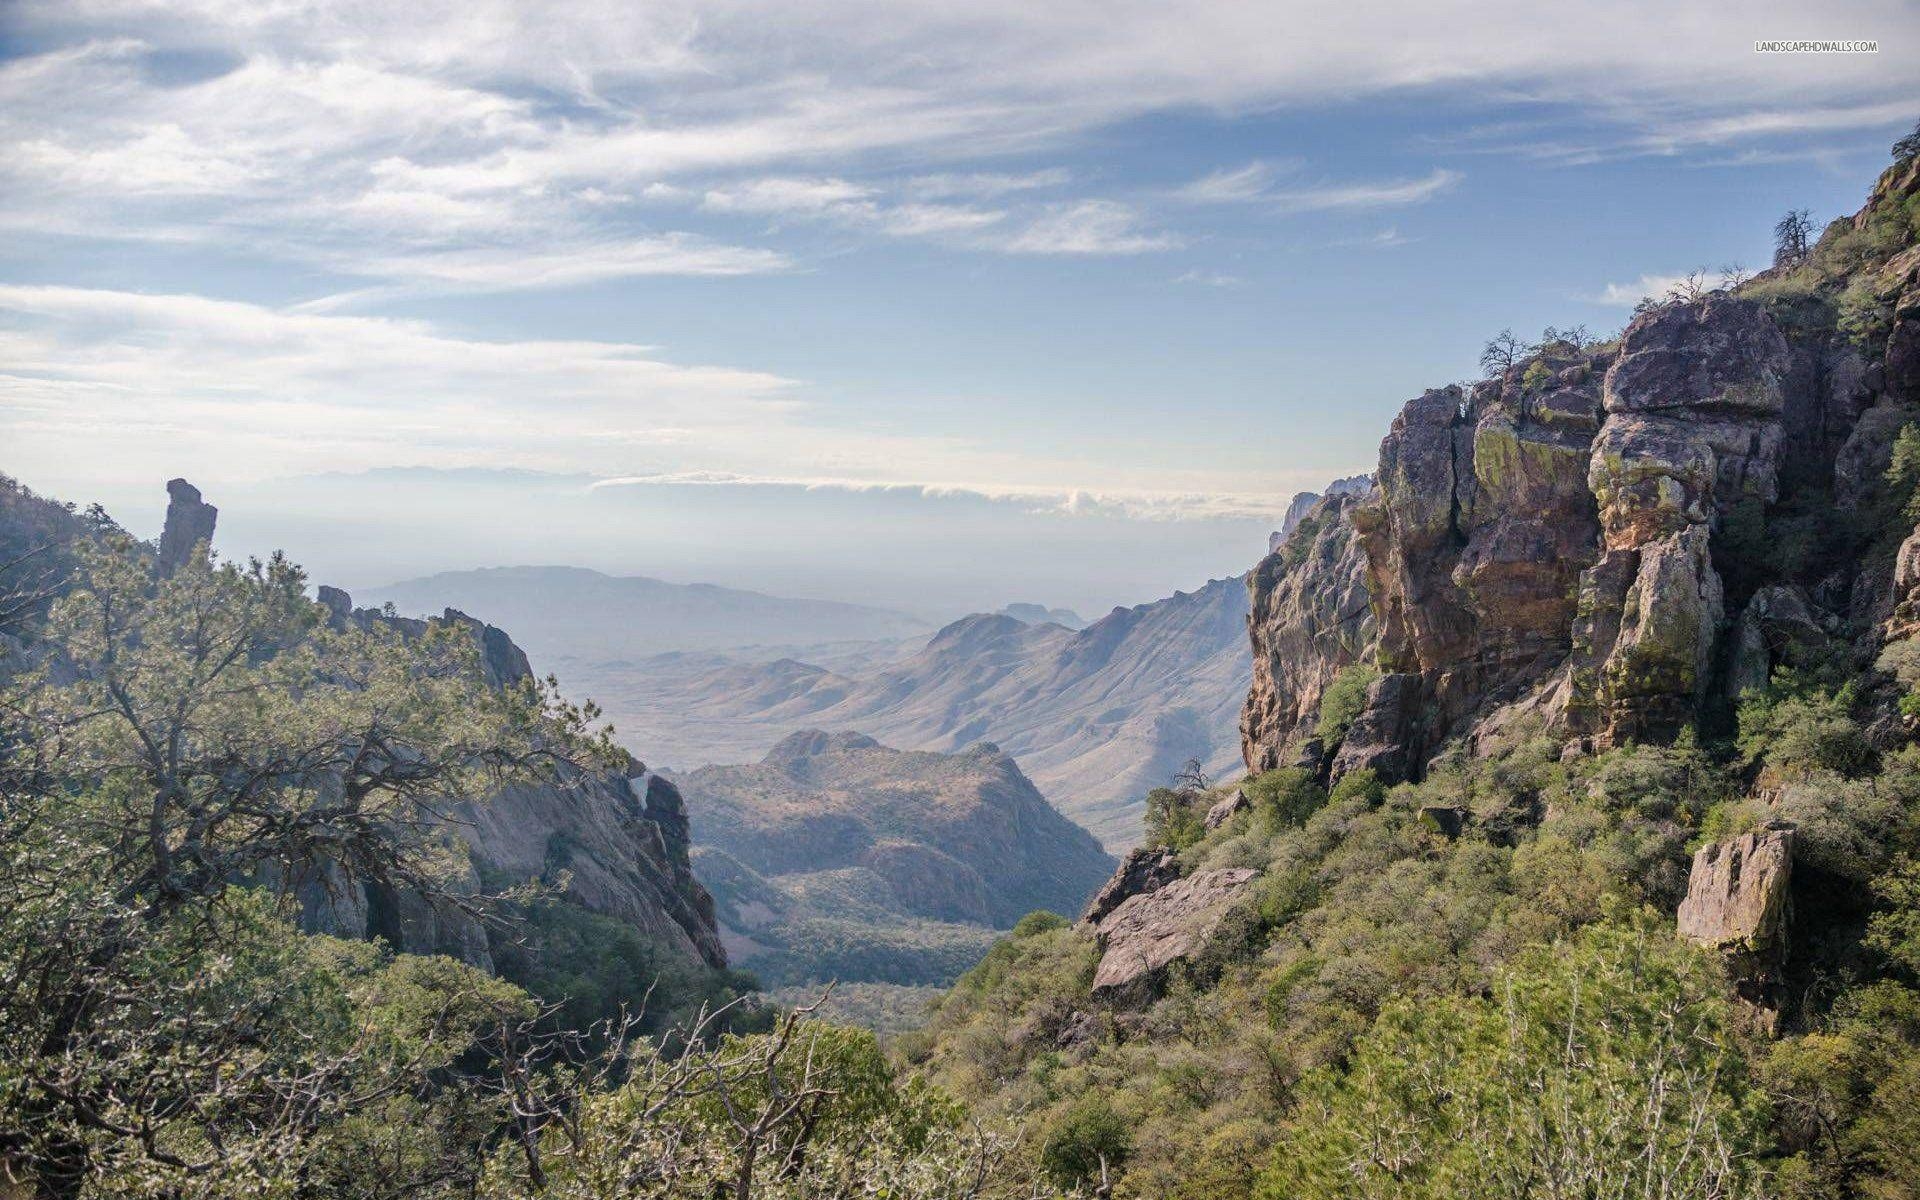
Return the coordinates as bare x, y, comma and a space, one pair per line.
1253, 184
1088, 227
362, 129
124, 385
1231, 185
1626, 295
1219, 279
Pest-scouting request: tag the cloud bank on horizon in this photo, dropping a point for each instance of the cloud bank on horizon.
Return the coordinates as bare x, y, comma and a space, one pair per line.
848, 245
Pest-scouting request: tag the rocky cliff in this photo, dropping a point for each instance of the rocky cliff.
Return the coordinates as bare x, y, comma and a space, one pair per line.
1609, 541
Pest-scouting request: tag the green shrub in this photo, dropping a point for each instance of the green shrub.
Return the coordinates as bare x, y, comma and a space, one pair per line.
1174, 819
1288, 795
1039, 921
1086, 1144
1343, 701
1607, 1060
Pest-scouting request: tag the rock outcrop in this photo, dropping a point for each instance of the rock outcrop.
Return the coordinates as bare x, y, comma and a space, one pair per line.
1740, 902
1579, 544
1145, 869
1310, 615
1147, 933
620, 840
190, 522
1738, 896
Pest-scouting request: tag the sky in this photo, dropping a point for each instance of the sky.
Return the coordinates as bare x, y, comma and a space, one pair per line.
931, 305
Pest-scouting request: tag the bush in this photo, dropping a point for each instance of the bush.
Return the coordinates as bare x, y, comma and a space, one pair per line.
1604, 1060
1288, 796
1342, 703
1086, 1144
1039, 921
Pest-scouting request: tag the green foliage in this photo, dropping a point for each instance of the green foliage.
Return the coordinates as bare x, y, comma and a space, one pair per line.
1174, 818
1086, 1144
594, 968
1537, 377
1799, 727
1286, 796
1039, 921
1601, 1066
1343, 701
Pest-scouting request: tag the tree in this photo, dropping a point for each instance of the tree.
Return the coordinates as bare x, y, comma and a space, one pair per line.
1908, 147
160, 1021
806, 1110
1792, 238
1690, 288
1501, 353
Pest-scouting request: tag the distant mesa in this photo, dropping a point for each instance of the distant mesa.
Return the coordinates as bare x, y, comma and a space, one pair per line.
1039, 614
838, 857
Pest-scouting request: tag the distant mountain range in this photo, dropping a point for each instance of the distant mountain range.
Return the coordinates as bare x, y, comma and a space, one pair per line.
1095, 716
836, 857
571, 612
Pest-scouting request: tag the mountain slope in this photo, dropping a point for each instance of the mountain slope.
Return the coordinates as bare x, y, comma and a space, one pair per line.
1095, 717
838, 857
560, 612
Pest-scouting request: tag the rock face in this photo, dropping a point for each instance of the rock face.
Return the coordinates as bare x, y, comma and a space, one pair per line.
1146, 933
621, 840
190, 522
1309, 616
1145, 869
1578, 545
1738, 896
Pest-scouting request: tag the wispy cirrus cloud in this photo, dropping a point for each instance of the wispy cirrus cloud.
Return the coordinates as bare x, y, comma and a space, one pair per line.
361, 135
1089, 227
1258, 183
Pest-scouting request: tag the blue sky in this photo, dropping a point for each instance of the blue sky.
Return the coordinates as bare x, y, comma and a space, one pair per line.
936, 305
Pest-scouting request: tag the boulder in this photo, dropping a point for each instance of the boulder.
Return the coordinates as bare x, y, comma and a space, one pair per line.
1737, 893
1145, 869
1780, 625
1146, 933
1226, 809
1449, 820
1719, 354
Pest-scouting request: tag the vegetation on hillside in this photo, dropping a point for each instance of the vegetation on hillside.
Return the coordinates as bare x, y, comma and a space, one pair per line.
172, 744
1394, 1012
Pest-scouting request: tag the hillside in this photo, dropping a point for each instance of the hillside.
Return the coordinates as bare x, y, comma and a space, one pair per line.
607, 836
561, 613
836, 857
1583, 846
1094, 716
